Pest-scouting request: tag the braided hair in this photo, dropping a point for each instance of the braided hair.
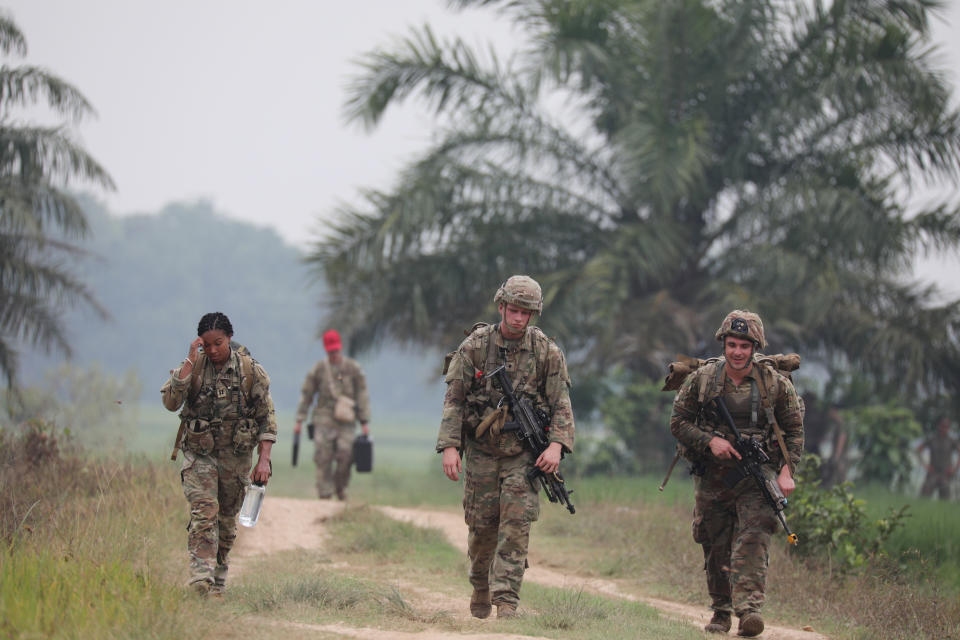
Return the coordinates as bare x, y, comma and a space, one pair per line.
215, 320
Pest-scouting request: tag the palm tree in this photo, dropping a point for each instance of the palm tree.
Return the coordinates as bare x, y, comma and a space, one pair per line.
38, 216
734, 153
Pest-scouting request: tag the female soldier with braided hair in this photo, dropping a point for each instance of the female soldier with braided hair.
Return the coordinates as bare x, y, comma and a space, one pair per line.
226, 411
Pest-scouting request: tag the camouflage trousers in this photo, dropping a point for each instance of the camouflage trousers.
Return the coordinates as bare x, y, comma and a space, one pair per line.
937, 481
734, 527
214, 487
333, 455
499, 505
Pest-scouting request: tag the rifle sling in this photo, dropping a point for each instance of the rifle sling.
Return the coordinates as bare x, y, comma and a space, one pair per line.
771, 418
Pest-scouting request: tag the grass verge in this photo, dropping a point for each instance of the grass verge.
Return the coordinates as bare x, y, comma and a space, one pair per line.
86, 545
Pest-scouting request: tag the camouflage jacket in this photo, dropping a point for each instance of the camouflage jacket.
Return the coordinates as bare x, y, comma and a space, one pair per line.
222, 395
348, 380
535, 360
941, 448
694, 422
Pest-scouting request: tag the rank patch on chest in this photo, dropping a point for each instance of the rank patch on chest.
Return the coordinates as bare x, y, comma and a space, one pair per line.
221, 392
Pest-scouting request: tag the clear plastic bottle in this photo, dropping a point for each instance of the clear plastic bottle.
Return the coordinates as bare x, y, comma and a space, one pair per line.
252, 501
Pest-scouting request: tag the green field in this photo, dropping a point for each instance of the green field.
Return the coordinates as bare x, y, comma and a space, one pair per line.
112, 531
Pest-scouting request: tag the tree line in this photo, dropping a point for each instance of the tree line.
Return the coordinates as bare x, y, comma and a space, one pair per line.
723, 154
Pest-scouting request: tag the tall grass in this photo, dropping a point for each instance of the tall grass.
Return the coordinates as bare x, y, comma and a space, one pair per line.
87, 544
929, 541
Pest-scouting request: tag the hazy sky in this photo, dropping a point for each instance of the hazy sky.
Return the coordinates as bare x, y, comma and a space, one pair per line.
233, 101
240, 102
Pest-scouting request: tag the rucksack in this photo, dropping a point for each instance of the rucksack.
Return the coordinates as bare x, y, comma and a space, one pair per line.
679, 370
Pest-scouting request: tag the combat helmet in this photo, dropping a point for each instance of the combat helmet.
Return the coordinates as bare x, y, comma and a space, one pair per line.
743, 324
520, 291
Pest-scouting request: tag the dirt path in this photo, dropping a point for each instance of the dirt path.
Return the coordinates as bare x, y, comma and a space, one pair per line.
455, 530
290, 523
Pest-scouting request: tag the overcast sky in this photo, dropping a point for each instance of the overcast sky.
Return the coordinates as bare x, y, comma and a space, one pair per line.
240, 102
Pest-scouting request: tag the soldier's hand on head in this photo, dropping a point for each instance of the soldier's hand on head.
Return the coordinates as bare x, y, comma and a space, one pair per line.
722, 449
451, 463
194, 349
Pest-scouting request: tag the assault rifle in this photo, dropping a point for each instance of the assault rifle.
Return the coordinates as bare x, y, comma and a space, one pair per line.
530, 425
752, 456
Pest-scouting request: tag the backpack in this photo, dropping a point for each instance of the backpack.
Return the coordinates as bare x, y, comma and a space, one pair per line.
679, 370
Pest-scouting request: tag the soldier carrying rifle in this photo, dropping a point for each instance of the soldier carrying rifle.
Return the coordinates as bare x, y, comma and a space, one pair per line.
500, 502
733, 514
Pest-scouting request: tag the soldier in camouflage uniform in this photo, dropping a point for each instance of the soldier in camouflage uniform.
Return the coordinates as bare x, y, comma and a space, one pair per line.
941, 468
734, 524
336, 376
226, 412
499, 502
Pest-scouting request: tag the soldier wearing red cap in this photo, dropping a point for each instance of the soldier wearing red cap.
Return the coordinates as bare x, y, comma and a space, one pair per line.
342, 400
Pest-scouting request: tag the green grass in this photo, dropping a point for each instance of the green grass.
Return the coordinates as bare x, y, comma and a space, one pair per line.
113, 534
46, 594
928, 542
579, 615
90, 548
423, 554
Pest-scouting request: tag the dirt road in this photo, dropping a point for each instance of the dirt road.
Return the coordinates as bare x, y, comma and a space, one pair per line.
290, 523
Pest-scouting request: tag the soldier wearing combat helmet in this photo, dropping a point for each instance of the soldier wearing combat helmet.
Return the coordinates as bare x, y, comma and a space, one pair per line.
732, 521
499, 503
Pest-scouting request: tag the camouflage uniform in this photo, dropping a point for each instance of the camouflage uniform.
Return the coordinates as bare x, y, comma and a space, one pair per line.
499, 503
333, 440
942, 447
224, 425
734, 524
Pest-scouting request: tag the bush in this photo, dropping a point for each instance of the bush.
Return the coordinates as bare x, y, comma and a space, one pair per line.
39, 471
638, 412
882, 434
834, 522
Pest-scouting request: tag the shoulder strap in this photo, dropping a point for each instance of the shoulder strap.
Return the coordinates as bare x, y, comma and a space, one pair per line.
711, 382
491, 361
246, 372
196, 375
767, 370
329, 371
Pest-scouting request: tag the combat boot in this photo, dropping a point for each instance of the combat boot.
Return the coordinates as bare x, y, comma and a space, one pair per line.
506, 611
201, 587
480, 606
751, 624
218, 588
719, 623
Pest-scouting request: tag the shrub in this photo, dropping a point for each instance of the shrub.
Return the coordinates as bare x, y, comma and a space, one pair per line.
834, 522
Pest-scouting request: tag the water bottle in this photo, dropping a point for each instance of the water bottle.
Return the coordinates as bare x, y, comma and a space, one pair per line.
252, 501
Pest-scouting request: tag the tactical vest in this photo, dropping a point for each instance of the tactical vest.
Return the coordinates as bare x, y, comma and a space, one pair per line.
710, 381
206, 427
482, 398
